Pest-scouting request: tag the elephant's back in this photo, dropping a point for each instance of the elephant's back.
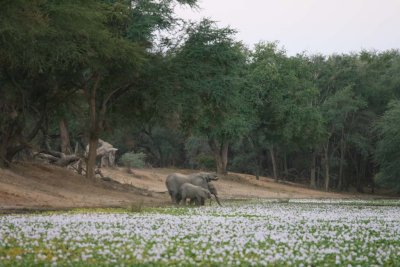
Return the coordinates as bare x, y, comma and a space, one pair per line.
199, 181
175, 180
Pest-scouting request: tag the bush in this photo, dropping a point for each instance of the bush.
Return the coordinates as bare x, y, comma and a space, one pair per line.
206, 162
133, 160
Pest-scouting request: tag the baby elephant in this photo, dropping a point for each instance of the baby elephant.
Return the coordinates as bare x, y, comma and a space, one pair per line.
194, 192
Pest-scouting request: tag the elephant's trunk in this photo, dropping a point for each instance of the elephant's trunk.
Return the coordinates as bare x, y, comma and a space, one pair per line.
217, 199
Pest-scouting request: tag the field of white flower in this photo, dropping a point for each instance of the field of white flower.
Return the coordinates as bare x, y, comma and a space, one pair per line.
255, 233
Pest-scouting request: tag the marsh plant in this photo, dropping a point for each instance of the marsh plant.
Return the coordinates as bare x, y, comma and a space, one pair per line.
256, 233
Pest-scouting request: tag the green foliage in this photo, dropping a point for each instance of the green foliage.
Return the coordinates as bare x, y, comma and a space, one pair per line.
388, 152
283, 97
21, 22
164, 144
55, 51
206, 162
151, 16
210, 94
133, 160
200, 96
244, 163
339, 107
198, 153
210, 65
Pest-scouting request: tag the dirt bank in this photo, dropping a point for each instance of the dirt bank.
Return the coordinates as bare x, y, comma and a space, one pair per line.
42, 187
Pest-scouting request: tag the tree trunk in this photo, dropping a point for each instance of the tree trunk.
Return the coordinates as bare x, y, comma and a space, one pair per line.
10, 135
64, 136
220, 151
3, 161
326, 156
3, 148
91, 158
93, 132
361, 175
13, 141
313, 181
272, 154
258, 166
285, 167
224, 157
341, 163
256, 149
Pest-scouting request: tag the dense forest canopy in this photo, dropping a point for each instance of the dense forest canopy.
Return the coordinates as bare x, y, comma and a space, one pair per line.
191, 95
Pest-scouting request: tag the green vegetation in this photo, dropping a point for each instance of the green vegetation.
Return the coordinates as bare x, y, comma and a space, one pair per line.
387, 153
246, 233
192, 95
133, 160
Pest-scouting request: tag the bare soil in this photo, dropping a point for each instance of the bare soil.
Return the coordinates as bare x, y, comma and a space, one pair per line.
37, 186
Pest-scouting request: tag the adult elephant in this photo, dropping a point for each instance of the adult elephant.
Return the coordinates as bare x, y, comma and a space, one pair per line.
214, 192
174, 182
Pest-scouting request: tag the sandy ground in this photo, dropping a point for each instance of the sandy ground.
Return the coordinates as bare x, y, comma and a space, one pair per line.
35, 186
232, 186
38, 186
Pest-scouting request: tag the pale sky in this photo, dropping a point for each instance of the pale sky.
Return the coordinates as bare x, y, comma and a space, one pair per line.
313, 26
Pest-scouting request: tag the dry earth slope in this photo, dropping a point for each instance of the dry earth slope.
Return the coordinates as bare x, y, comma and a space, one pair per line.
37, 186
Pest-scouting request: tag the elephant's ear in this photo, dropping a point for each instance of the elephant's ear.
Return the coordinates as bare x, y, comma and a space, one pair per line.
209, 176
213, 176
205, 176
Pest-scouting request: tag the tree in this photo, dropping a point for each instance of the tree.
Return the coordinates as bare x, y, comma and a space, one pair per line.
387, 153
116, 65
338, 111
70, 49
339, 79
24, 96
283, 96
210, 63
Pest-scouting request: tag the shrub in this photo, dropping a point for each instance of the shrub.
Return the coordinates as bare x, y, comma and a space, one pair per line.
206, 162
133, 160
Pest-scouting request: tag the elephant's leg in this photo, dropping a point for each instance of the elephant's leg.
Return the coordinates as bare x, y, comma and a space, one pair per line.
172, 195
182, 199
174, 198
179, 197
202, 201
198, 201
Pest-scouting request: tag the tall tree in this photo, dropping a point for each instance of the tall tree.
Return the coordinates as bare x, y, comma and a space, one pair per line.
22, 99
338, 111
114, 69
387, 153
61, 49
284, 99
211, 101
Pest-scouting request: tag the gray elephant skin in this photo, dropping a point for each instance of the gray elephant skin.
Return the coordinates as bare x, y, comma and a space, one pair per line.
195, 193
214, 192
174, 182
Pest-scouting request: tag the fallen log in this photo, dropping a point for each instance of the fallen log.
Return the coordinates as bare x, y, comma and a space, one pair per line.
58, 158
